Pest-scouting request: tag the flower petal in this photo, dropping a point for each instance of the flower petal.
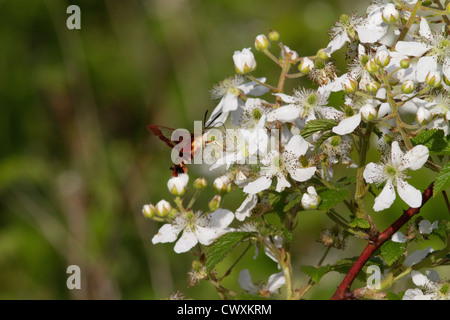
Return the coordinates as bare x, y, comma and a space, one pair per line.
245, 281
297, 145
398, 237
246, 207
396, 154
167, 233
385, 198
417, 256
186, 242
410, 48
347, 125
415, 158
282, 183
260, 184
302, 174
285, 113
275, 281
219, 219
373, 173
409, 194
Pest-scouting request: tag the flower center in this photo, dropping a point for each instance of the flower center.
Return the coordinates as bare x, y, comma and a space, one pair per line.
390, 171
256, 114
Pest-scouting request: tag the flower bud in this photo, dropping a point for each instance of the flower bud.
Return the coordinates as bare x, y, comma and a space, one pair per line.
148, 211
408, 86
163, 208
433, 79
390, 14
177, 185
290, 53
382, 58
335, 141
368, 112
404, 63
214, 204
306, 65
244, 61
321, 54
310, 200
423, 116
350, 85
200, 183
261, 43
222, 184
372, 87
274, 35
371, 66
446, 80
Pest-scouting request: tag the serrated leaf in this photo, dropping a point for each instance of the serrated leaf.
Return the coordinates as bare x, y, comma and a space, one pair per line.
359, 223
434, 140
219, 249
317, 125
315, 273
391, 251
442, 181
332, 197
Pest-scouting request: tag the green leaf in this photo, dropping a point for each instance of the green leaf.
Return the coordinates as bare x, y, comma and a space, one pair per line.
293, 200
434, 140
222, 246
391, 251
392, 296
314, 126
315, 273
359, 223
442, 179
331, 197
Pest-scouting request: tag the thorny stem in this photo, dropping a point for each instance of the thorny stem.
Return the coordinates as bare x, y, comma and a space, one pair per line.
343, 291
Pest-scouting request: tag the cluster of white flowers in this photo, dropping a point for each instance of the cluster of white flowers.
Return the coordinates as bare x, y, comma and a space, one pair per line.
397, 84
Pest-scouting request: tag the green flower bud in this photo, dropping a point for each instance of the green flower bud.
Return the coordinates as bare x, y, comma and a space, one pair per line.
390, 14
371, 66
404, 63
382, 58
322, 54
274, 35
261, 43
200, 183
306, 65
163, 208
222, 185
446, 80
214, 204
368, 113
148, 211
372, 87
350, 85
433, 79
408, 86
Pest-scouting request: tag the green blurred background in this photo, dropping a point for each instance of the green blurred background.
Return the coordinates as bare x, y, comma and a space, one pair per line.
77, 162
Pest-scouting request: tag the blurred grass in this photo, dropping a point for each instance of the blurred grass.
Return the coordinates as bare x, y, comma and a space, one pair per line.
77, 162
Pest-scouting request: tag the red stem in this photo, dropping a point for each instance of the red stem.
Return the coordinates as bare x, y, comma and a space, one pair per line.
343, 291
